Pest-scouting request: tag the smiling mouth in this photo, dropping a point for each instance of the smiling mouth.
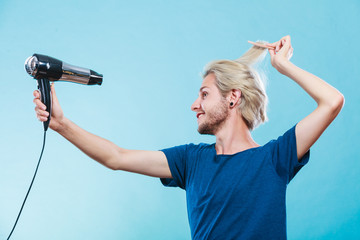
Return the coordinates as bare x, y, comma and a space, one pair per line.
199, 114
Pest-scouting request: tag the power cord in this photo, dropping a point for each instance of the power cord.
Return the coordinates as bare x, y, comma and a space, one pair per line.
32, 181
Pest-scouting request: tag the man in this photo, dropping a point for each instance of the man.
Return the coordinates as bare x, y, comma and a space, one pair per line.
235, 189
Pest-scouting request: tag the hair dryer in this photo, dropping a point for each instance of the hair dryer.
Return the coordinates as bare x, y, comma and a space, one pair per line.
45, 69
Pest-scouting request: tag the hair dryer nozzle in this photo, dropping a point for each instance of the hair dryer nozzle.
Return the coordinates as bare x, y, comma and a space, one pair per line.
95, 78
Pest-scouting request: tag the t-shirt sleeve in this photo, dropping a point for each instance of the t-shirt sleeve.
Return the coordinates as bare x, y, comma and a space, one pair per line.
285, 158
176, 157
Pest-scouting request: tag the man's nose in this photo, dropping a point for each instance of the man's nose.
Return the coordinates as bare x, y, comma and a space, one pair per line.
195, 105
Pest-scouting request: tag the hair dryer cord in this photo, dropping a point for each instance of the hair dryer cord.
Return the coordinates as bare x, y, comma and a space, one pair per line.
32, 181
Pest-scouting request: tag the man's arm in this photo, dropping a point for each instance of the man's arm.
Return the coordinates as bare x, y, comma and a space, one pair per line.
151, 163
329, 100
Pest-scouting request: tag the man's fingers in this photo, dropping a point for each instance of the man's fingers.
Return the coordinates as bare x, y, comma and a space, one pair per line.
42, 119
277, 48
41, 112
36, 94
272, 52
40, 108
287, 38
286, 46
39, 104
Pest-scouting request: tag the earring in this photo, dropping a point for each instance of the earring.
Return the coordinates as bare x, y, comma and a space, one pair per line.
231, 104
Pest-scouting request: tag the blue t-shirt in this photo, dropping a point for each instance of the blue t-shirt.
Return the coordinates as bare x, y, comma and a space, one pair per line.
237, 196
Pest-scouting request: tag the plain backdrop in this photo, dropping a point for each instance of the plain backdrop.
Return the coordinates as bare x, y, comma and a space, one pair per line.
151, 54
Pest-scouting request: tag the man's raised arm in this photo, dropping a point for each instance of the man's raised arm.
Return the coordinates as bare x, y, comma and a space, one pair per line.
329, 100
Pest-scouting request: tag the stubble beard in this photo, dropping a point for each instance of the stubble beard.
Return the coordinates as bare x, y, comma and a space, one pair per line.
215, 119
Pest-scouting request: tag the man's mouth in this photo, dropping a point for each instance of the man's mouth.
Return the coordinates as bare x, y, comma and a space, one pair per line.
199, 114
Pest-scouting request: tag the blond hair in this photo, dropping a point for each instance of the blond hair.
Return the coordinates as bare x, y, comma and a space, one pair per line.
242, 75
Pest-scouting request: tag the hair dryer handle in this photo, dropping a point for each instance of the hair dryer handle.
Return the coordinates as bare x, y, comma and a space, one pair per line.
45, 92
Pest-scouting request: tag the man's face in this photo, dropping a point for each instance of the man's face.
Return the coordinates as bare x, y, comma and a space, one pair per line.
211, 107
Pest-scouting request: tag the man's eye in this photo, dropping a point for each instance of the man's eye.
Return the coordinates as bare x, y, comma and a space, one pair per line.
205, 94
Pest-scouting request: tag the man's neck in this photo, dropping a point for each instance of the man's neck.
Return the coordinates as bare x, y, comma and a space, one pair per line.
234, 137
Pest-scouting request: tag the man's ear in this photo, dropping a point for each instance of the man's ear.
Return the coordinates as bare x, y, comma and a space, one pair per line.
235, 97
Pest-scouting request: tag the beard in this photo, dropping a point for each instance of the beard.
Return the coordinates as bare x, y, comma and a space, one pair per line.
215, 119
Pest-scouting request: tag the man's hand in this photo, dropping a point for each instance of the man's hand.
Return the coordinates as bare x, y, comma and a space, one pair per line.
57, 115
280, 53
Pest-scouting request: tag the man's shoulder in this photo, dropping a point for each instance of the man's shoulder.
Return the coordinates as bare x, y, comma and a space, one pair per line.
195, 147
191, 147
200, 145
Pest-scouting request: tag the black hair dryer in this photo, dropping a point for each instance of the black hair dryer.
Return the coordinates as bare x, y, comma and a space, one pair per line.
45, 69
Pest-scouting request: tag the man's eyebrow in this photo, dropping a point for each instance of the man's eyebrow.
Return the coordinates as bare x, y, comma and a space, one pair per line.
203, 88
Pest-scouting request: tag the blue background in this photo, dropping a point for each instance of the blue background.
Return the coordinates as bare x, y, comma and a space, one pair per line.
151, 54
